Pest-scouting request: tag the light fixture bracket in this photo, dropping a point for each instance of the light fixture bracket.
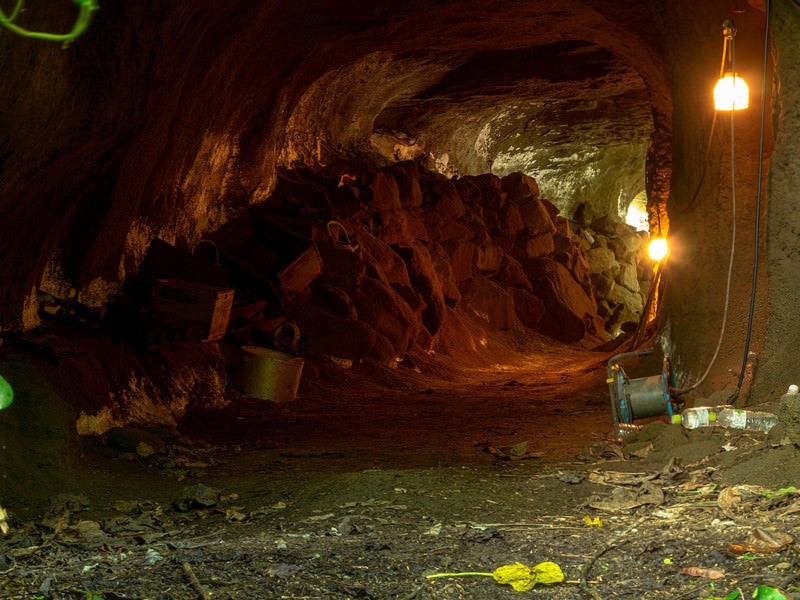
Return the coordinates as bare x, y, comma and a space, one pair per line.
728, 29
731, 91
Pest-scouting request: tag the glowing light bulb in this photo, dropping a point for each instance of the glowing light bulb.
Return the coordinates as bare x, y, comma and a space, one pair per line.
657, 249
731, 93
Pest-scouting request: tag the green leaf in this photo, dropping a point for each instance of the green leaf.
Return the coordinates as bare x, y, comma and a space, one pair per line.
764, 592
787, 490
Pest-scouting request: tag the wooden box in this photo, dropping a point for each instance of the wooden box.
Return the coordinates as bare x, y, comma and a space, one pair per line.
301, 272
202, 311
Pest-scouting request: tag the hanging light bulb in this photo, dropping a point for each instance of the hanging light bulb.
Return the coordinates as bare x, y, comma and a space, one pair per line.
731, 91
657, 249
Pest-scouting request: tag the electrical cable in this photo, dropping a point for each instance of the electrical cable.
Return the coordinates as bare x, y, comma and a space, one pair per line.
692, 202
733, 246
86, 10
758, 196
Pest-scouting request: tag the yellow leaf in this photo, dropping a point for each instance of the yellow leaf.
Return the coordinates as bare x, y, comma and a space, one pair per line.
548, 573
518, 576
590, 522
523, 578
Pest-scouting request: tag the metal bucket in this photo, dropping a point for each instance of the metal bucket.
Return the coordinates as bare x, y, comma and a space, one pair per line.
269, 375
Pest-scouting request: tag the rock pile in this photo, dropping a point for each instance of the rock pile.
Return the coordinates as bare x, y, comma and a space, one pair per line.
401, 257
620, 271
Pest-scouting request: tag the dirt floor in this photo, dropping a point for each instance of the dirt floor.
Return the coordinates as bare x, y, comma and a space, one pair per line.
375, 483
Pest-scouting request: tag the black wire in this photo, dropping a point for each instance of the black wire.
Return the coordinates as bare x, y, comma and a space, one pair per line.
691, 204
758, 193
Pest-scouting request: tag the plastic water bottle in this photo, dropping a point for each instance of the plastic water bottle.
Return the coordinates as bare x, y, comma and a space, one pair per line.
699, 416
737, 418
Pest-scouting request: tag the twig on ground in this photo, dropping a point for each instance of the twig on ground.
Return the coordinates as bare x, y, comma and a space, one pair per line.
198, 587
412, 595
608, 545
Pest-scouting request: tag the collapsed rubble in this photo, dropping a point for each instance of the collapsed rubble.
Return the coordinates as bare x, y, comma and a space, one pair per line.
387, 266
386, 260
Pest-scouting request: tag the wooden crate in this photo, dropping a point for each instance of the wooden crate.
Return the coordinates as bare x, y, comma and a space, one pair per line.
202, 311
301, 272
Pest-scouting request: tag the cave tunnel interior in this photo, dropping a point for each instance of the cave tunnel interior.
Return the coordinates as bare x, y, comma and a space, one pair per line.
376, 206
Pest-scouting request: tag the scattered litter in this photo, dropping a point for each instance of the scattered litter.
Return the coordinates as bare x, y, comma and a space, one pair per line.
624, 499
482, 534
234, 514
316, 518
571, 477
283, 570
3, 521
196, 496
435, 530
152, 557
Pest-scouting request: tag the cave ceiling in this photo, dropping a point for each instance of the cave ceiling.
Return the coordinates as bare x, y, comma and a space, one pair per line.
566, 93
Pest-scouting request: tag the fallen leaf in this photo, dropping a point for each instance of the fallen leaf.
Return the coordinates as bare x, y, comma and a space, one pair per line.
787, 490
622, 499
620, 478
523, 578
728, 497
590, 522
435, 530
702, 572
235, 514
641, 452
515, 452
762, 542
764, 592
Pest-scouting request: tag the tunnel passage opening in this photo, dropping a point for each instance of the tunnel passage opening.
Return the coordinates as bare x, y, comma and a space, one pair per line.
636, 214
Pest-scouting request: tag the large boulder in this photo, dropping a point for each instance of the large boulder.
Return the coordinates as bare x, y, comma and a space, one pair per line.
571, 312
407, 175
444, 270
326, 334
537, 217
385, 192
519, 187
530, 309
489, 301
381, 259
383, 307
488, 258
512, 274
442, 199
425, 280
462, 256
533, 245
